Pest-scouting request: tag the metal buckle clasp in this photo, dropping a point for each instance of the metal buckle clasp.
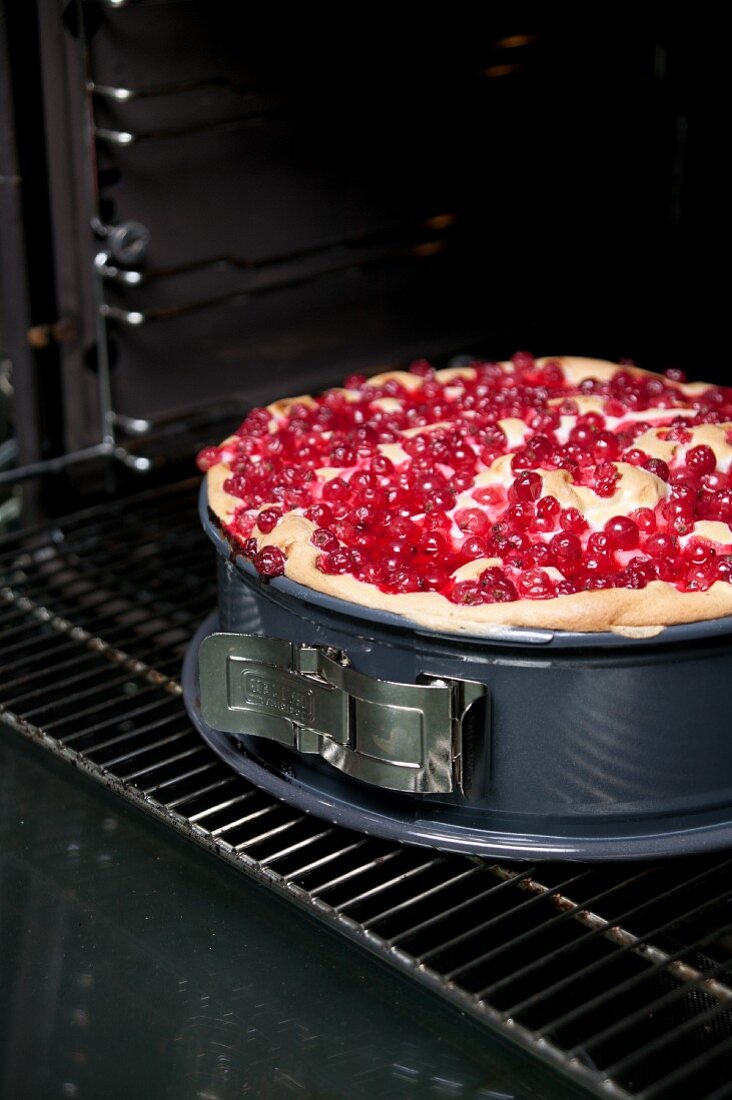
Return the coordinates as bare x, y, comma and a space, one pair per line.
401, 737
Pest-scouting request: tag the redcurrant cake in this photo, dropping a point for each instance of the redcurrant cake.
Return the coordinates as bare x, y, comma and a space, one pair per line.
565, 493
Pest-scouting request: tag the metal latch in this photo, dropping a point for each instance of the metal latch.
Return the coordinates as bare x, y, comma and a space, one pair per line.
402, 737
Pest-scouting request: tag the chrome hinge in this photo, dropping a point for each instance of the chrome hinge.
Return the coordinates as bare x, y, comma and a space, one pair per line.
402, 737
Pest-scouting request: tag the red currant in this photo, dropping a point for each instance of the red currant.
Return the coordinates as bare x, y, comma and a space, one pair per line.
623, 532
270, 562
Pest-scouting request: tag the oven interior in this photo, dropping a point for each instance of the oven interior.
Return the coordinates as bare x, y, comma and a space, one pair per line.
194, 220
204, 218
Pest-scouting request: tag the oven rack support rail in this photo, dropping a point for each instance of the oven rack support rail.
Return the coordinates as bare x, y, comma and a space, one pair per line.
120, 249
618, 977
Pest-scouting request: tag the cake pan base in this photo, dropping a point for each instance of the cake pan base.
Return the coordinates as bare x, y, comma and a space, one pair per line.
324, 792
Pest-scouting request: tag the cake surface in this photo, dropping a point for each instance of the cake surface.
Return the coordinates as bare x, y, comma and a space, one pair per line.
564, 493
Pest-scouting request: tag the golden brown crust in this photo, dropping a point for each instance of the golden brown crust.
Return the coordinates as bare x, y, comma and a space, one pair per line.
221, 503
615, 609
577, 367
629, 612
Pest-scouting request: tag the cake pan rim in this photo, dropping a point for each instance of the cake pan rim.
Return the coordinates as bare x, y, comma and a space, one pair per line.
680, 633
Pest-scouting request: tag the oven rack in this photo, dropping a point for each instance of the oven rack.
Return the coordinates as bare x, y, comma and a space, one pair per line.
618, 976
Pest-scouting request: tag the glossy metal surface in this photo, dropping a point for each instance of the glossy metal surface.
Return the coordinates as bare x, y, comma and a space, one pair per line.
400, 737
293, 778
130, 965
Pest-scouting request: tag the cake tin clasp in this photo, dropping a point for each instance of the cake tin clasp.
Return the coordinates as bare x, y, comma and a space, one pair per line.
425, 738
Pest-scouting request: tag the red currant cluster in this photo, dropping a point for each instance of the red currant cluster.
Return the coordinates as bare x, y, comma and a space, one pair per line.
400, 525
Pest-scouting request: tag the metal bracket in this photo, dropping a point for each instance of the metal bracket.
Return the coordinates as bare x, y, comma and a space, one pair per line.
401, 737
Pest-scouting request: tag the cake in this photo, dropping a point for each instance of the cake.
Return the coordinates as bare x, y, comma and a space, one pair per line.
564, 493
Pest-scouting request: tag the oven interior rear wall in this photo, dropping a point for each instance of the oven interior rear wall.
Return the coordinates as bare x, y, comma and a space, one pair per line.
271, 213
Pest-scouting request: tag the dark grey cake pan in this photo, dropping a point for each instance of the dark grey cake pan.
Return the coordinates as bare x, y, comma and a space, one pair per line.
583, 746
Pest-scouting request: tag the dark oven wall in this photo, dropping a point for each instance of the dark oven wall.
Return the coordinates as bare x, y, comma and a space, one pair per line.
267, 211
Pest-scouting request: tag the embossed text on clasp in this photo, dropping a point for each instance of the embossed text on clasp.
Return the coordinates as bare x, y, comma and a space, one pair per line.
274, 692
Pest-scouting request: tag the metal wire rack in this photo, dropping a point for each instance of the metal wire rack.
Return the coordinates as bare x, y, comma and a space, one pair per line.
618, 975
